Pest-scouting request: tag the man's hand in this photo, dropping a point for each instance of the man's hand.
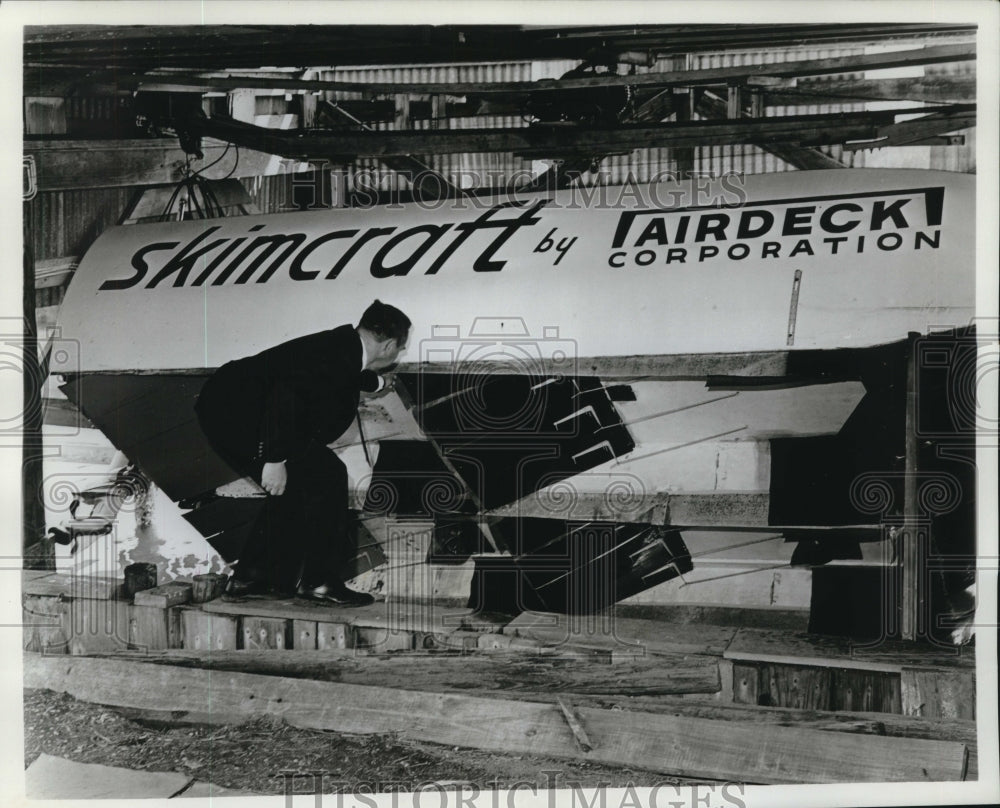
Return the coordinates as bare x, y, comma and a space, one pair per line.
273, 478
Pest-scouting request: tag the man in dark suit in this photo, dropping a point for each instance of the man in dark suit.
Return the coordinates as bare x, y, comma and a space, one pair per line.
270, 417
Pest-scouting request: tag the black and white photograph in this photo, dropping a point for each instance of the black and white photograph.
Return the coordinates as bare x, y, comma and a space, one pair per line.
577, 404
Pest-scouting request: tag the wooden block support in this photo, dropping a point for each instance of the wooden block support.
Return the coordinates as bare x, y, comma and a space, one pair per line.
204, 631
383, 640
174, 593
265, 632
677, 745
148, 628
96, 625
60, 584
334, 635
304, 635
938, 694
44, 628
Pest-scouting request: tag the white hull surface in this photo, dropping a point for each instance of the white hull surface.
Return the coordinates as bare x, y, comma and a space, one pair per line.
638, 270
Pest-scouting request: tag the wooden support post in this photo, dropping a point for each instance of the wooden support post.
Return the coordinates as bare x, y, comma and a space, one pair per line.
734, 102
203, 631
757, 103
42, 554
914, 533
264, 632
304, 635
334, 635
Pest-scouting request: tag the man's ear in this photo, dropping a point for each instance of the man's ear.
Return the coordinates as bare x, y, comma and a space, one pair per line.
387, 346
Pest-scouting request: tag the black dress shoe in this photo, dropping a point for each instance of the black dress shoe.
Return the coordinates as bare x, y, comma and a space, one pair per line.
336, 595
237, 590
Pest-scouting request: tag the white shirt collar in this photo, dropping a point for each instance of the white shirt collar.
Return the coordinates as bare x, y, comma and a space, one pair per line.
364, 355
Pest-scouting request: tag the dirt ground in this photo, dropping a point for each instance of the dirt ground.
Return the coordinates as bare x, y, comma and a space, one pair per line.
258, 755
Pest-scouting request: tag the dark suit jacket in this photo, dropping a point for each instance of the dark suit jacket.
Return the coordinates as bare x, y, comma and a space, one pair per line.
273, 405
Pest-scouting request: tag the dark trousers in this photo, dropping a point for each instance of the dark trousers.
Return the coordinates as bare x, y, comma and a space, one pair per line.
302, 534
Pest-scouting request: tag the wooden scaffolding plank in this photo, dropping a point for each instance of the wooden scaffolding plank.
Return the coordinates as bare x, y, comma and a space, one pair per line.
507, 674
56, 584
760, 645
680, 746
624, 635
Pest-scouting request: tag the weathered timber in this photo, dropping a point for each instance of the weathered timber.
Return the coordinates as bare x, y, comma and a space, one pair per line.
334, 635
708, 509
96, 625
150, 627
44, 630
428, 618
679, 78
939, 694
60, 584
514, 674
812, 688
265, 632
678, 367
203, 630
545, 141
66, 165
680, 746
173, 593
758, 645
620, 635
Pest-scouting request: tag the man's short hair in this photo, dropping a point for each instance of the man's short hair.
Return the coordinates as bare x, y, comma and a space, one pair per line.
386, 321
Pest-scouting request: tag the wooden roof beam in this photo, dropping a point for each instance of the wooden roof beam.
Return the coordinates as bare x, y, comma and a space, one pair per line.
683, 78
546, 141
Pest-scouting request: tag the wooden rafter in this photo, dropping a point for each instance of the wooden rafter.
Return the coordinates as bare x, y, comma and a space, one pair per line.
680, 78
545, 141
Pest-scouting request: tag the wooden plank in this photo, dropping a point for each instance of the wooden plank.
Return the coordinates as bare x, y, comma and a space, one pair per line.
334, 635
423, 616
760, 645
148, 628
652, 367
620, 634
939, 694
265, 632
746, 683
678, 78
508, 674
544, 141
71, 165
61, 584
680, 746
96, 625
44, 629
203, 631
173, 593
304, 635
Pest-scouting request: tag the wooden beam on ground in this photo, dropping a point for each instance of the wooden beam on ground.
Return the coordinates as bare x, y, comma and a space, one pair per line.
758, 645
514, 674
79, 164
680, 78
549, 140
679, 746
621, 636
